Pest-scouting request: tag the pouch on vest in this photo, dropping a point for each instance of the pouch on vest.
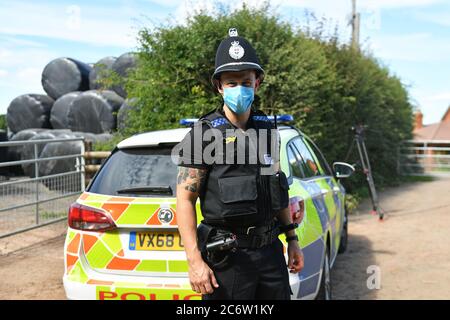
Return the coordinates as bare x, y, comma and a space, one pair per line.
279, 194
238, 196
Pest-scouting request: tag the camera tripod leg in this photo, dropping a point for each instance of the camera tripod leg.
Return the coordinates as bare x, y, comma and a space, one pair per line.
368, 172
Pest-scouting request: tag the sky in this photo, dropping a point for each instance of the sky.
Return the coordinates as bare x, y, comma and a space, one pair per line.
410, 37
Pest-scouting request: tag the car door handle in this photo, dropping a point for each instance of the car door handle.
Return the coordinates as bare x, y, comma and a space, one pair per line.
336, 189
323, 191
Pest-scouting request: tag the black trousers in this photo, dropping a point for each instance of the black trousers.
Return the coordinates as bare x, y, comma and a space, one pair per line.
251, 274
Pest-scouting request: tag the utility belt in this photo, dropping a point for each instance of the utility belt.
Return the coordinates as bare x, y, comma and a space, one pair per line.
216, 242
256, 237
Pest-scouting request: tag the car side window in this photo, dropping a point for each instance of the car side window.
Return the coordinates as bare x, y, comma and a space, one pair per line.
310, 166
322, 161
294, 165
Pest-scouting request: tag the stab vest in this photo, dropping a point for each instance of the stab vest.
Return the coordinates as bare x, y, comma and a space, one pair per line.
237, 194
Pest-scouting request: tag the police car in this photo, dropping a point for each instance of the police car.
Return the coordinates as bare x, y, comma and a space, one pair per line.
122, 241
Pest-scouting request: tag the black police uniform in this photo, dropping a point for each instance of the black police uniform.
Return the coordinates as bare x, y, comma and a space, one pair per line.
237, 199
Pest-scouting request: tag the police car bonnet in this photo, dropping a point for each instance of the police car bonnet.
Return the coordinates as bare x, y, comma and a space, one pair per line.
236, 54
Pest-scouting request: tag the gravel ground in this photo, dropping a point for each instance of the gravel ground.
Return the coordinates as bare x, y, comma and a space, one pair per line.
410, 248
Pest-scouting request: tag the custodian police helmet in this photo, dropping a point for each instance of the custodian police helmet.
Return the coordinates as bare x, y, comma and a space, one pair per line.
236, 54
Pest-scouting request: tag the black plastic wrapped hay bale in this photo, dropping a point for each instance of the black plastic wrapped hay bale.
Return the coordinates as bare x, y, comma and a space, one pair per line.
88, 136
60, 110
29, 111
65, 165
28, 150
64, 75
123, 114
15, 152
101, 69
61, 149
113, 99
91, 112
122, 66
70, 182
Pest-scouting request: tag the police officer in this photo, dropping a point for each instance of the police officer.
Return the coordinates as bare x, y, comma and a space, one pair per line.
235, 252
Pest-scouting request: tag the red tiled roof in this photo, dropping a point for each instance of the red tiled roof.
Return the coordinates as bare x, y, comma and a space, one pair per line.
446, 116
435, 131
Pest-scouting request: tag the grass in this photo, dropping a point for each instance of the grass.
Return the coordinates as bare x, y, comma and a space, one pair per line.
418, 178
3, 122
353, 199
51, 215
110, 144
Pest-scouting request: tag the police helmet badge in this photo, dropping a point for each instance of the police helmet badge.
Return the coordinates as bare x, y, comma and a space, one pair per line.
232, 32
236, 51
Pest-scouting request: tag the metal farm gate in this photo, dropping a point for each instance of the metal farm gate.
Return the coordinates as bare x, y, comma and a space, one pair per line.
38, 199
424, 157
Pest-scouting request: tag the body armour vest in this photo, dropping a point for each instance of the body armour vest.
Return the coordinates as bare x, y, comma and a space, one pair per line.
240, 188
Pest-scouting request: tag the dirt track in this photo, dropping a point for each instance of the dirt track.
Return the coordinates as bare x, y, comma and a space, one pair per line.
33, 271
411, 248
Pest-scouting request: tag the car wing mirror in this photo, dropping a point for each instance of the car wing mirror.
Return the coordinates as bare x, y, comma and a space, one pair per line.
343, 169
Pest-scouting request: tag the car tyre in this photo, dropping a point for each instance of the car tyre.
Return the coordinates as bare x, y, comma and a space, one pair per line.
325, 279
344, 235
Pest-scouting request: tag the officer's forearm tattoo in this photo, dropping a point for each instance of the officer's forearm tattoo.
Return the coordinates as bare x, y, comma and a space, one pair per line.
191, 178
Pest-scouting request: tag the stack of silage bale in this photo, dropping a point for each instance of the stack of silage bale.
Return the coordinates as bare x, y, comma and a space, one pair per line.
76, 105
53, 149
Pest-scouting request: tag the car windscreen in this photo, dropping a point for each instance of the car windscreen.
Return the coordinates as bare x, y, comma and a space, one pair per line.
142, 172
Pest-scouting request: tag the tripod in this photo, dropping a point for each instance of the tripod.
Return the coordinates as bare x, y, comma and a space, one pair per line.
358, 140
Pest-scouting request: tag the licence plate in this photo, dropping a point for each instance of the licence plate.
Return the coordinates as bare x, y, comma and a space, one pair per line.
156, 240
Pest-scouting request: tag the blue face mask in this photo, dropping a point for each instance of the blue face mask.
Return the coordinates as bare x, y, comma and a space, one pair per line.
238, 98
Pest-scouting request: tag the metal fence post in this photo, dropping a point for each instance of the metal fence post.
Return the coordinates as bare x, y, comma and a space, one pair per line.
36, 175
81, 166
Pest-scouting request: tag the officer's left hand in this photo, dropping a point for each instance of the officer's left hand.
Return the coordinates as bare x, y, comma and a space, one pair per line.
295, 257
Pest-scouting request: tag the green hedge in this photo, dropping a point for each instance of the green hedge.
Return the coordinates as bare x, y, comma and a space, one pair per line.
325, 84
3, 123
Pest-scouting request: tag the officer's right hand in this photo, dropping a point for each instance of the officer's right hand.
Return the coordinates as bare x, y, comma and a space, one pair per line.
202, 277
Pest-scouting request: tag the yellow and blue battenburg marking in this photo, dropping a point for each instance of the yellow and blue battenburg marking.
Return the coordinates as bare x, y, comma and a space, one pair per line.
221, 121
